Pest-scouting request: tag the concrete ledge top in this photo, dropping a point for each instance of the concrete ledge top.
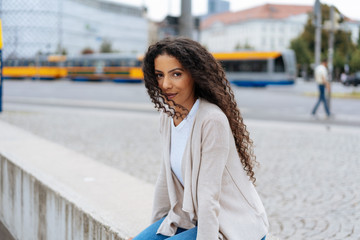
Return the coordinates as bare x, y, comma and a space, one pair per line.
107, 194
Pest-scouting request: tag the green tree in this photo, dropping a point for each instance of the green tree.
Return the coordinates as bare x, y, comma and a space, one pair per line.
106, 47
64, 51
355, 61
60, 50
358, 40
246, 46
303, 55
343, 46
301, 49
237, 47
339, 62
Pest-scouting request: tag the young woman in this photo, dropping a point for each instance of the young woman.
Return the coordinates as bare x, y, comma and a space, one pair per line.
205, 188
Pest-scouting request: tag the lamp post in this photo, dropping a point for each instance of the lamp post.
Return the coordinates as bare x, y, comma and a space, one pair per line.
186, 19
331, 43
317, 13
1, 66
332, 25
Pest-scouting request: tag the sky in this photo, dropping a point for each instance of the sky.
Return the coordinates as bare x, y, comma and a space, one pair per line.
158, 9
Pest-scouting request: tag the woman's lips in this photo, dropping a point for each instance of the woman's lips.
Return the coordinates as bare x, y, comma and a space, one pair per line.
171, 95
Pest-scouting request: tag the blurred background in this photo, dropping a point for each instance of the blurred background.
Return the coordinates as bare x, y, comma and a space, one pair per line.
35, 31
71, 73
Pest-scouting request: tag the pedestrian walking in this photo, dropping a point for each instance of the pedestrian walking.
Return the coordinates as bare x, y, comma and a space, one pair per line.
205, 189
321, 78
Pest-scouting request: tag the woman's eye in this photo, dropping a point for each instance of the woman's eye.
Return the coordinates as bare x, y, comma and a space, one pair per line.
177, 74
159, 75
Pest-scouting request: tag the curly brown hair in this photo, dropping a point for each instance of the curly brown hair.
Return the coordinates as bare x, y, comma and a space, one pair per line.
210, 84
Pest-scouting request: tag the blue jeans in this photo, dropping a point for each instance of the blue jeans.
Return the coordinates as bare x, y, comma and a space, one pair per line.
322, 98
181, 234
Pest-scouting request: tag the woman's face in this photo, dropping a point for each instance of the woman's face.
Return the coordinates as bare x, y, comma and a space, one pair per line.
175, 82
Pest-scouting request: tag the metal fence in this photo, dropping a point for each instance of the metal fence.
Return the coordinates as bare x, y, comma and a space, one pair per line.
30, 27
43, 27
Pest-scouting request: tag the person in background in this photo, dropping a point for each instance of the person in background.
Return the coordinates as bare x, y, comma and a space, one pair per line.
321, 78
205, 189
343, 77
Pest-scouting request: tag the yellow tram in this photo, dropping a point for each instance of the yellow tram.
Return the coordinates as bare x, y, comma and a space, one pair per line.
247, 68
45, 68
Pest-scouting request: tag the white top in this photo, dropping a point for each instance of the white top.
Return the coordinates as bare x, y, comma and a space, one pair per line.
343, 77
320, 73
179, 137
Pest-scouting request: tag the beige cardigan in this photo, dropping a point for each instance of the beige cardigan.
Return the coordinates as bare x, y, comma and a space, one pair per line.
217, 195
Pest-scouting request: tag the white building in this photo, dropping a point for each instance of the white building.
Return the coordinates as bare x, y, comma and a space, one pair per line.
30, 27
268, 27
352, 26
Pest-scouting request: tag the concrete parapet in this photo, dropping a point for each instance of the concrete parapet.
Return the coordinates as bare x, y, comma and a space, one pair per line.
50, 192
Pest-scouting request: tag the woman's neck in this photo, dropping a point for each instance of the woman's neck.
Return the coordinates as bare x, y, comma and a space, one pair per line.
183, 114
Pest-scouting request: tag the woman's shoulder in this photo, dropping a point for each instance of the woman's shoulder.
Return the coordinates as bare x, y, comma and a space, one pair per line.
210, 112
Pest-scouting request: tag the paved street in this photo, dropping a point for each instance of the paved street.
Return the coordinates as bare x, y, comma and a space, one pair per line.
309, 170
279, 103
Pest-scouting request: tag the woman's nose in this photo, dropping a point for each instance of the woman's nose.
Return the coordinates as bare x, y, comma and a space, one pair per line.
167, 82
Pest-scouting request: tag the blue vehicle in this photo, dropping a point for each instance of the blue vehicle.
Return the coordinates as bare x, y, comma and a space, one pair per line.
259, 69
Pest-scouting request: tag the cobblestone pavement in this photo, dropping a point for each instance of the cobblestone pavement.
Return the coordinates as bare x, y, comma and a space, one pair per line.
308, 178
